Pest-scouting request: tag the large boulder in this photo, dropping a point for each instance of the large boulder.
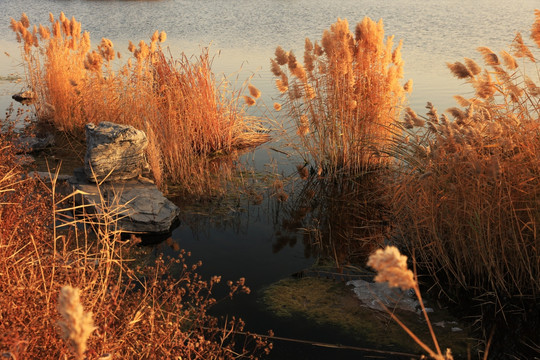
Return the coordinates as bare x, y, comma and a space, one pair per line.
114, 152
142, 207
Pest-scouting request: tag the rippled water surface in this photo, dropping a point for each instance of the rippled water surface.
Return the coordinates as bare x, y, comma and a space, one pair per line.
248, 242
434, 32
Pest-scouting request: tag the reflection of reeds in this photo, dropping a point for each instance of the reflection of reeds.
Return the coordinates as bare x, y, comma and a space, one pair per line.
342, 221
186, 112
467, 200
344, 96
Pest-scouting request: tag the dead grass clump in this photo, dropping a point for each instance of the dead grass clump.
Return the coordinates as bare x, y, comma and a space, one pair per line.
188, 114
467, 201
344, 96
48, 244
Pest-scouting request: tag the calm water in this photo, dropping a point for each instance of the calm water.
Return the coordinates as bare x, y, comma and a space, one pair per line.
246, 242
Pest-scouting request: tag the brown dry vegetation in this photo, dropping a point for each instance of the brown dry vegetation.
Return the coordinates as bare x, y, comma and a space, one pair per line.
467, 200
344, 96
188, 115
139, 310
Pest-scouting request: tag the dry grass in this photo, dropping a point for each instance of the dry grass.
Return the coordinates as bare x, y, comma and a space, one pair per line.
139, 310
188, 114
343, 97
467, 200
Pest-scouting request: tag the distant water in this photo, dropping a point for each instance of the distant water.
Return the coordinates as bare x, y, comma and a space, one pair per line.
247, 32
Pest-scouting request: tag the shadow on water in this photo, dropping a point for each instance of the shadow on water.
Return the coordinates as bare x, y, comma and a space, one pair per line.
342, 221
296, 253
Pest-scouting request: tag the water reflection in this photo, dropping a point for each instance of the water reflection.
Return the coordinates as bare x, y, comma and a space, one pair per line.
341, 221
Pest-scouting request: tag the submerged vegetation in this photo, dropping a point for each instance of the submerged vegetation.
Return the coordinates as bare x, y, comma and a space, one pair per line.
460, 192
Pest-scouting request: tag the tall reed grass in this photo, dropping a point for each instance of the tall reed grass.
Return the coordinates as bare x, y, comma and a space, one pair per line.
189, 114
344, 96
467, 200
59, 263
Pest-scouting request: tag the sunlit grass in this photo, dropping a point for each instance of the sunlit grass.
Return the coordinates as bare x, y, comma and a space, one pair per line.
61, 262
344, 96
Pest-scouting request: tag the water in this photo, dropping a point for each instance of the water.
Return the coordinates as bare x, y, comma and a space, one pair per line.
250, 241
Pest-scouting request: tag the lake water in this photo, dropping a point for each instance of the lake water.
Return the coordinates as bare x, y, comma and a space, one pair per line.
251, 241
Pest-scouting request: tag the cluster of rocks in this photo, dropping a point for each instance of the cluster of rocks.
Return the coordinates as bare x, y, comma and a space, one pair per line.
113, 171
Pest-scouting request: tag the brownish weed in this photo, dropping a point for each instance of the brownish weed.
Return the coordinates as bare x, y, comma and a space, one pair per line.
70, 285
467, 200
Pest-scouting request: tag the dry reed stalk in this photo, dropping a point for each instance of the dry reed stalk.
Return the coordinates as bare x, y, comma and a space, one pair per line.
344, 97
391, 267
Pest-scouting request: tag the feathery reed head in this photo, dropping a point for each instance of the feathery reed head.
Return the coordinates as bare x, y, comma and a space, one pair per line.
255, 93
535, 30
391, 267
77, 325
459, 70
249, 100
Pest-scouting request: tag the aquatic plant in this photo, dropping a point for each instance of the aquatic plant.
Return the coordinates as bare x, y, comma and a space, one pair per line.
466, 200
344, 96
188, 114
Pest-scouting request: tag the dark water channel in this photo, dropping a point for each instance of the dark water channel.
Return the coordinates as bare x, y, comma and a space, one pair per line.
235, 237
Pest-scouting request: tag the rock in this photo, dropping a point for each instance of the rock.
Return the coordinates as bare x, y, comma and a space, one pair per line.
25, 97
32, 144
114, 152
371, 293
144, 208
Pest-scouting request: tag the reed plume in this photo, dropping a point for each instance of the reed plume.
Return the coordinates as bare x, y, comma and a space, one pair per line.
344, 97
77, 325
391, 267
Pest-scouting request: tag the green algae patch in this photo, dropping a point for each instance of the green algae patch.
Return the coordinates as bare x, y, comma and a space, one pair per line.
328, 303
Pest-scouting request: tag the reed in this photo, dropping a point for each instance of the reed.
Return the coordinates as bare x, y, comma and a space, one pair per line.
344, 96
466, 200
60, 262
189, 115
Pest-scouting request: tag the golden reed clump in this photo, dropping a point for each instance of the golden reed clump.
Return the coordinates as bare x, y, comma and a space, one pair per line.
344, 96
151, 92
468, 184
77, 325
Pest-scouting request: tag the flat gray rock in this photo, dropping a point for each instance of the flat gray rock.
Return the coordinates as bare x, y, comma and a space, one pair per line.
372, 294
144, 208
